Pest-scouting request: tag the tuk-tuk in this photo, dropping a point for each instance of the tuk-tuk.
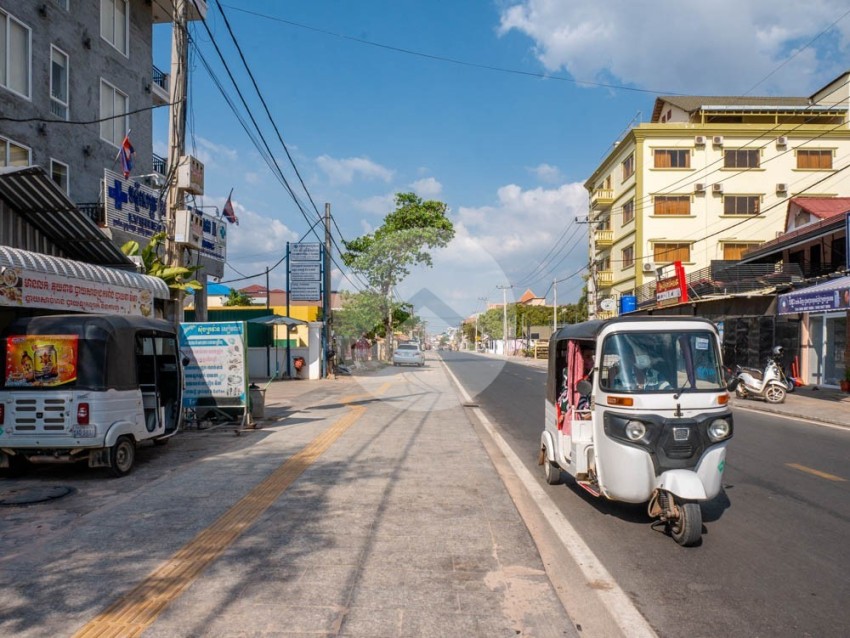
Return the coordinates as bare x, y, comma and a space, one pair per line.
637, 410
88, 387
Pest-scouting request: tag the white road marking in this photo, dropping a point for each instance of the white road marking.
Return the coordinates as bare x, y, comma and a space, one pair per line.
831, 426
625, 614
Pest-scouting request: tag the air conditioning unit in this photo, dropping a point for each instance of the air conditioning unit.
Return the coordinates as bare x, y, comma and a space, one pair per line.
699, 140
648, 267
779, 233
781, 188
699, 187
717, 188
782, 141
188, 228
138, 262
717, 140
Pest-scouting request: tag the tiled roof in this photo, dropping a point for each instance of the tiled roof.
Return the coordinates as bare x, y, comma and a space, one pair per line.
823, 207
691, 103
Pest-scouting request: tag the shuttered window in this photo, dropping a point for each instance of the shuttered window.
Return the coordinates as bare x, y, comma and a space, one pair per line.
672, 204
672, 158
814, 158
664, 253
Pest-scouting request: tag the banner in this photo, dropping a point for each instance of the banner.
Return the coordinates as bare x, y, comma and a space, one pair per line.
822, 298
41, 360
672, 290
217, 363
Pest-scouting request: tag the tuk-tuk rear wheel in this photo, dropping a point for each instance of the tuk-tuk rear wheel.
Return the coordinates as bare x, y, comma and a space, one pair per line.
551, 472
121, 456
687, 529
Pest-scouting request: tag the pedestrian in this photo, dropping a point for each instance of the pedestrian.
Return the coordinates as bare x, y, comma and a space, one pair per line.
331, 361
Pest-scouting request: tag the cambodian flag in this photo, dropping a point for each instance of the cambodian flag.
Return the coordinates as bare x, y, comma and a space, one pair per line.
126, 155
229, 213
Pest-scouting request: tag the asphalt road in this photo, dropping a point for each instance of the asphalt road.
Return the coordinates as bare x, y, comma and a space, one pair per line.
775, 555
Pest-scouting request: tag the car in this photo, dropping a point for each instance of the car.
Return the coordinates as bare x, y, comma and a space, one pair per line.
408, 354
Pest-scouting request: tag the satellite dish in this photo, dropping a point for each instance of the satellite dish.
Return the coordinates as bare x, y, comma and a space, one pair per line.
607, 304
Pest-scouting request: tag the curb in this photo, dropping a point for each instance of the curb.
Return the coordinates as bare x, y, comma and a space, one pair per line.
754, 406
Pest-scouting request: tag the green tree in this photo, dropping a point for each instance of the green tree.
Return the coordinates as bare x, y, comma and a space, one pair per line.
237, 298
384, 257
175, 277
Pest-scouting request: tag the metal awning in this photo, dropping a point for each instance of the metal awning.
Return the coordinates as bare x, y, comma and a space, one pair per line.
70, 269
278, 320
39, 200
830, 295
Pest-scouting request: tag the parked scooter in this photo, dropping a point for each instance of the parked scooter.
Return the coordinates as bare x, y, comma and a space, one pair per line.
771, 384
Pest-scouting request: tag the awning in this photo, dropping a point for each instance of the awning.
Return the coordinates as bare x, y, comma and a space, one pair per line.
278, 320
830, 295
39, 200
33, 280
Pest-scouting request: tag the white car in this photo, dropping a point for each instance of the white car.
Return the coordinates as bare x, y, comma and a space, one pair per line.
408, 354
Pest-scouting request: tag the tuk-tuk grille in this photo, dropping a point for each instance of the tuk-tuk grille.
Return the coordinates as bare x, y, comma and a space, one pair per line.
39, 415
680, 451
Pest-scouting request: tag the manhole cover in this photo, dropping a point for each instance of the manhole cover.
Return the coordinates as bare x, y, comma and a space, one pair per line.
31, 495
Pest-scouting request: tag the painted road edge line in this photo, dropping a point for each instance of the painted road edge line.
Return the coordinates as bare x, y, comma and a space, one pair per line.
792, 417
621, 608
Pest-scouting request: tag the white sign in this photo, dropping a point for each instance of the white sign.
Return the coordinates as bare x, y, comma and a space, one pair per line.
305, 271
216, 367
304, 291
28, 289
607, 304
305, 252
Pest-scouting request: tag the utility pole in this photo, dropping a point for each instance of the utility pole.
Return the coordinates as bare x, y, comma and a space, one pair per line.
326, 296
504, 290
554, 306
176, 136
268, 312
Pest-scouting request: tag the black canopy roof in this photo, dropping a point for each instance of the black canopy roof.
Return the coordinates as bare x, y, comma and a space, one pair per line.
589, 330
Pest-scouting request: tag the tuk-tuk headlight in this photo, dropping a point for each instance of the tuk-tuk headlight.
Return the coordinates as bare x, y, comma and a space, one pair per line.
635, 430
719, 430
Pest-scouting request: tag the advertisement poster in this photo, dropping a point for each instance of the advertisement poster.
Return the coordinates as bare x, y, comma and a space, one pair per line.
217, 362
672, 290
40, 360
816, 300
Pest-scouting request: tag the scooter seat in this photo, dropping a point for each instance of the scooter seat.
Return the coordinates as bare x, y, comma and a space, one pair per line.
753, 372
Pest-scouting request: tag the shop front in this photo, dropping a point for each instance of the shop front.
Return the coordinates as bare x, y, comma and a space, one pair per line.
824, 309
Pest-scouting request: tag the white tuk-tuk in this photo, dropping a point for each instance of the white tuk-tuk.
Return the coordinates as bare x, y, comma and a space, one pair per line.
87, 388
637, 411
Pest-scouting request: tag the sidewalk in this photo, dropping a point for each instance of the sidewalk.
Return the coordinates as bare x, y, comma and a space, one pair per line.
822, 404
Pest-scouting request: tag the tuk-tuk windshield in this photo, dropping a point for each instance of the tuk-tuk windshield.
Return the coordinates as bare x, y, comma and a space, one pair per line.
670, 361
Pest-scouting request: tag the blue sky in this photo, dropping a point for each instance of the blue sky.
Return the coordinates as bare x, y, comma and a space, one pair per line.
508, 151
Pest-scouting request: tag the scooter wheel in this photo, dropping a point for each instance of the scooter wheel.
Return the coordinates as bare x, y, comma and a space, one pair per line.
775, 393
740, 392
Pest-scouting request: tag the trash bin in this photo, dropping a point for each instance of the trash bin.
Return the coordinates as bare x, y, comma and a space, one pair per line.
258, 402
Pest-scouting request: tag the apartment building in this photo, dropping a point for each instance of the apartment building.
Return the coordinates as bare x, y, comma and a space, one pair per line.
709, 178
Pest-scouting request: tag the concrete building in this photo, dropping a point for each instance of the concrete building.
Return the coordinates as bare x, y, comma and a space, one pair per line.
709, 178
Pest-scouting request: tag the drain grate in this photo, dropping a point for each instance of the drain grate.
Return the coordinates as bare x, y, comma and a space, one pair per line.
32, 495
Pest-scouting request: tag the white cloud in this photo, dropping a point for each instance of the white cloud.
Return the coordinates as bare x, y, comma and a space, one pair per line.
546, 173
344, 171
377, 205
212, 154
689, 47
253, 178
427, 187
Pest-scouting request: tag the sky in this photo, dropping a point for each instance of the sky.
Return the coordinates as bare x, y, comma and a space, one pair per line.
499, 108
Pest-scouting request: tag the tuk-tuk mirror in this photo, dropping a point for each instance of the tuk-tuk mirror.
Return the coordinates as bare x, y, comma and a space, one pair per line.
733, 383
185, 361
584, 387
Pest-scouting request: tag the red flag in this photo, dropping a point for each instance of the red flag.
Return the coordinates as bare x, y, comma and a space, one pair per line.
126, 154
229, 213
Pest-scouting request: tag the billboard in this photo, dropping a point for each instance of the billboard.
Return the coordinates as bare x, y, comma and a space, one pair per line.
217, 363
41, 360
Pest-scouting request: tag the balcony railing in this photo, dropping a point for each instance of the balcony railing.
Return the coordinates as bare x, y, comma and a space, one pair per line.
93, 211
158, 165
159, 86
602, 197
603, 237
604, 278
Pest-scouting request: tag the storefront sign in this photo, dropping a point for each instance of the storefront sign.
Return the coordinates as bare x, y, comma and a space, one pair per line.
672, 290
40, 360
816, 300
28, 289
305, 271
305, 291
217, 363
305, 252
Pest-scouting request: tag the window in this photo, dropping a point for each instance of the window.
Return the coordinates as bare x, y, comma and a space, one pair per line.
12, 154
629, 256
59, 174
629, 167
112, 103
741, 204
114, 25
58, 83
672, 158
741, 158
603, 223
603, 263
628, 211
814, 158
672, 204
735, 251
664, 253
15, 44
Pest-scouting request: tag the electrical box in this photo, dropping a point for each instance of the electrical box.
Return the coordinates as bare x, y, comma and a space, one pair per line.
190, 175
188, 228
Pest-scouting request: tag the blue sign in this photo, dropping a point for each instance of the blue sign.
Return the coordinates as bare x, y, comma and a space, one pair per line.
217, 362
833, 296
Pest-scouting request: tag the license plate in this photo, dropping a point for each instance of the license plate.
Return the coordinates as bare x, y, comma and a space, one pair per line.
84, 431
681, 434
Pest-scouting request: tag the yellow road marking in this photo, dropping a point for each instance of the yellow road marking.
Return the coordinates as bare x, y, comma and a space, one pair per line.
823, 475
138, 609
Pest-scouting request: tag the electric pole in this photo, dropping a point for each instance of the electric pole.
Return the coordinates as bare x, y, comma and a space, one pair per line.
326, 297
504, 290
554, 306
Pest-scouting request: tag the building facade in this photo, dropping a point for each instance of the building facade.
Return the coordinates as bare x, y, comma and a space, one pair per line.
709, 178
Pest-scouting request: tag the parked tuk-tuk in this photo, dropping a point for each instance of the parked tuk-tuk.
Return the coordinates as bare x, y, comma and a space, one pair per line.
88, 387
637, 411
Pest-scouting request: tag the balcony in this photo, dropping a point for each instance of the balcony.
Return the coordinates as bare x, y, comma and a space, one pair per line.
605, 314
93, 211
603, 237
604, 278
162, 10
159, 86
602, 198
158, 164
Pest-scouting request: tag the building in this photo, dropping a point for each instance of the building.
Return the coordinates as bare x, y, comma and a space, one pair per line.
707, 179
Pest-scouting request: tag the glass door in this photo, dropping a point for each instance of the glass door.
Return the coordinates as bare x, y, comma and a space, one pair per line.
836, 343
816, 347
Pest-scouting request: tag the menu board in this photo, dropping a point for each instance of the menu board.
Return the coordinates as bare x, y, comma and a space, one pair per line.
41, 360
217, 363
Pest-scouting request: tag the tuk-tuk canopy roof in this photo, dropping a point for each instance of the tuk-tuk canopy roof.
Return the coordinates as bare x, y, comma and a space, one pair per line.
589, 330
90, 326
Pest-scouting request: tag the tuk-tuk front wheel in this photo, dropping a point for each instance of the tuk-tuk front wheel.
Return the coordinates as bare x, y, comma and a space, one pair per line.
687, 529
121, 456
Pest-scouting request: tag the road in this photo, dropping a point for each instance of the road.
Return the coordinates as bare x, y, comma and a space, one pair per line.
774, 558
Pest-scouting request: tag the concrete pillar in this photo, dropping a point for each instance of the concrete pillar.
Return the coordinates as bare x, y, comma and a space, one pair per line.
314, 349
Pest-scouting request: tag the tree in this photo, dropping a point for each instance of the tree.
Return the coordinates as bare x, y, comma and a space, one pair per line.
175, 277
384, 257
237, 298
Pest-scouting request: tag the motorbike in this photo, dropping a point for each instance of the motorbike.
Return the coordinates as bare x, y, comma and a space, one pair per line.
769, 384
637, 412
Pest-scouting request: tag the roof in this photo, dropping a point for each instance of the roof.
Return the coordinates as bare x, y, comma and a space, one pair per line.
527, 296
692, 103
38, 199
823, 207
589, 330
89, 326
217, 289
